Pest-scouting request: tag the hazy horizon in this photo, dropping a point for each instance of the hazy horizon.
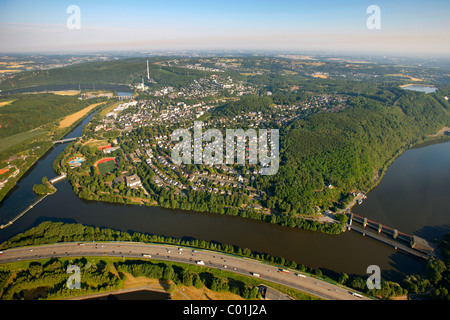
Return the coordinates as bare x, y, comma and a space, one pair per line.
407, 27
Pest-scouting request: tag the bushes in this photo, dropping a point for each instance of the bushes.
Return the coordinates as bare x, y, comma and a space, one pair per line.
178, 275
48, 280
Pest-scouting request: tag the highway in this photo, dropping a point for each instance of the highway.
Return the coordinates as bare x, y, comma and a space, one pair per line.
293, 279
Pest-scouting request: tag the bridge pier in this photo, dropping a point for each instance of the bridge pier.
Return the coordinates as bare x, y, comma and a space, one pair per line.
395, 234
58, 178
365, 222
380, 227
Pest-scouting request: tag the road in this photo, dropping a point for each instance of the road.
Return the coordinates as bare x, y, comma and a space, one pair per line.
173, 253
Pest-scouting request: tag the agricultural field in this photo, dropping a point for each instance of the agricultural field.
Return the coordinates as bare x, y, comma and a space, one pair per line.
67, 92
71, 119
5, 103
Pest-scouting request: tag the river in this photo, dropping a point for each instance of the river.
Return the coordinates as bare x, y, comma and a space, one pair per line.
418, 179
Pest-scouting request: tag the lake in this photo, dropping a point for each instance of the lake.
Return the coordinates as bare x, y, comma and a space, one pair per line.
125, 94
426, 89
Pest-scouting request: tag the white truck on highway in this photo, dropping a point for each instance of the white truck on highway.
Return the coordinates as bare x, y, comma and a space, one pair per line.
200, 262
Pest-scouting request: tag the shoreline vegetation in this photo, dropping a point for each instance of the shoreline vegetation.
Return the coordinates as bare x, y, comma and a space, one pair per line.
431, 139
429, 284
45, 188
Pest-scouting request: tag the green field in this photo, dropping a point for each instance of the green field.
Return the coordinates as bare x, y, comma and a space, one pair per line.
106, 167
19, 138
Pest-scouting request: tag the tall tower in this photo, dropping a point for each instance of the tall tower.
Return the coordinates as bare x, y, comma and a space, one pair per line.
148, 72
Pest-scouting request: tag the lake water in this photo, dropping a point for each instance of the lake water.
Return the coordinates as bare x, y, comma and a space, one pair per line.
125, 94
425, 89
413, 196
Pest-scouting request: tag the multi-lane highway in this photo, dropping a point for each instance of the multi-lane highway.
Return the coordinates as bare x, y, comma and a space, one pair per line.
250, 267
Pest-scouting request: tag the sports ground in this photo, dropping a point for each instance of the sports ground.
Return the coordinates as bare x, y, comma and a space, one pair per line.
106, 165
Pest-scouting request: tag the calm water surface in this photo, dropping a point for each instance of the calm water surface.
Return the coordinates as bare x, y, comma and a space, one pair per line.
425, 89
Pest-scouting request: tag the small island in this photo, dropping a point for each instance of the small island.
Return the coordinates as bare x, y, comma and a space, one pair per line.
45, 188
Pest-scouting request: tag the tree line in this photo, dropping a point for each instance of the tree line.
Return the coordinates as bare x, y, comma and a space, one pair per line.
433, 283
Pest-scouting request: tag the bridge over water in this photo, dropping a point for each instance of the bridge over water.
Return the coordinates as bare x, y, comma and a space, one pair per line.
411, 244
65, 140
52, 181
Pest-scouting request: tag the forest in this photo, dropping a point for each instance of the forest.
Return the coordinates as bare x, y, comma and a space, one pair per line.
349, 149
30, 111
120, 72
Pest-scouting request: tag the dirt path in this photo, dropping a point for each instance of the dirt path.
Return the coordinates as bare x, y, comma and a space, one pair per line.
440, 132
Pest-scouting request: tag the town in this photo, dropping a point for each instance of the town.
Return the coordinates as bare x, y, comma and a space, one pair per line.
127, 150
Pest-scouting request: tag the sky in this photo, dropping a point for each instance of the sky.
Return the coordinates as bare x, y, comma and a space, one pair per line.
407, 27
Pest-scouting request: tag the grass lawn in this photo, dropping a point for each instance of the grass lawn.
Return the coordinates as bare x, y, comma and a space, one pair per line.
95, 144
16, 139
106, 167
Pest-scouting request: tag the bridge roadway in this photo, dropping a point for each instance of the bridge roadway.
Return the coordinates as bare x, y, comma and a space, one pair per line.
23, 212
245, 266
397, 245
65, 140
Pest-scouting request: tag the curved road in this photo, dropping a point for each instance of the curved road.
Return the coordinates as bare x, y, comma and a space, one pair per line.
173, 253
